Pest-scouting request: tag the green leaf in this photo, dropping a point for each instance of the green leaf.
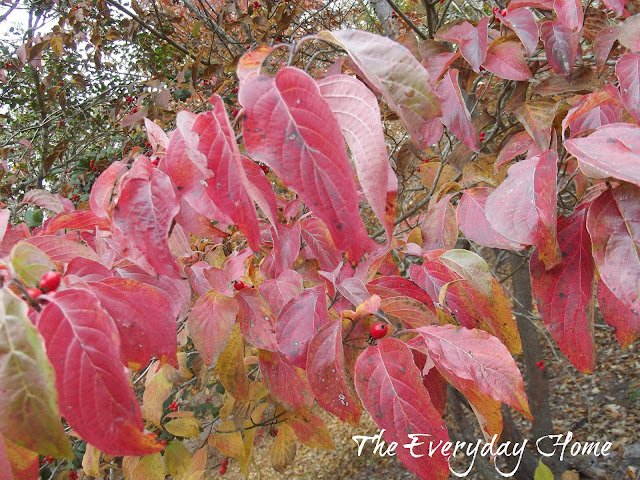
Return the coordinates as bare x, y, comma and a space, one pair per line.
543, 472
28, 398
30, 263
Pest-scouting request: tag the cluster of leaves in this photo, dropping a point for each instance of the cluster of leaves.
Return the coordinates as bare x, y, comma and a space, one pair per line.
172, 259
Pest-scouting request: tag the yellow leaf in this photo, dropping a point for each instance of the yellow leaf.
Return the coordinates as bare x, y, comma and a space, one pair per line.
230, 367
197, 465
177, 459
228, 440
149, 467
56, 46
155, 393
312, 432
415, 236
183, 427
283, 451
91, 461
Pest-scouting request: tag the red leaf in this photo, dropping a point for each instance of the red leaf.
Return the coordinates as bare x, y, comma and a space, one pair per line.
318, 239
210, 323
356, 109
227, 189
433, 381
523, 207
96, 398
393, 70
287, 383
440, 227
143, 317
505, 59
542, 4
569, 13
610, 151
390, 387
410, 312
279, 291
291, 128
299, 320
524, 24
328, 376
473, 223
399, 286
88, 270
564, 293
454, 110
618, 315
474, 360
257, 323
76, 220
561, 44
143, 214
628, 71
613, 226
616, 5
250, 62
472, 42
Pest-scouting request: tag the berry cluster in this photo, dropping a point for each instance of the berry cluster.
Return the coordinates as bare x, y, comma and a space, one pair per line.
173, 406
223, 466
257, 5
540, 365
49, 283
129, 99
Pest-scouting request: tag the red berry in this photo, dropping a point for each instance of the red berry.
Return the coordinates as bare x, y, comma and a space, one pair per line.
481, 137
223, 470
134, 109
496, 10
238, 285
35, 293
394, 14
234, 112
155, 161
48, 460
379, 330
73, 475
503, 12
173, 406
265, 169
50, 281
225, 462
441, 1
163, 443
60, 83
540, 365
256, 5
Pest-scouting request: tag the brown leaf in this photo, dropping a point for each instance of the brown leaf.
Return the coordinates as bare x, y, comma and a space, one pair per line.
537, 116
582, 80
283, 451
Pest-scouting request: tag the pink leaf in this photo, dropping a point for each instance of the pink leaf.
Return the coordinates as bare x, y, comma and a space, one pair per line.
156, 135
291, 128
102, 190
616, 5
518, 144
76, 220
318, 239
286, 246
260, 190
628, 33
564, 293
505, 59
569, 13
523, 207
227, 189
628, 72
454, 110
524, 24
579, 114
625, 320
143, 214
393, 70
474, 224
356, 109
298, 321
210, 323
602, 45
278, 291
440, 227
257, 323
62, 250
542, 4
610, 151
471, 40
561, 44
96, 398
390, 387
387, 287
613, 226
474, 360
44, 199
